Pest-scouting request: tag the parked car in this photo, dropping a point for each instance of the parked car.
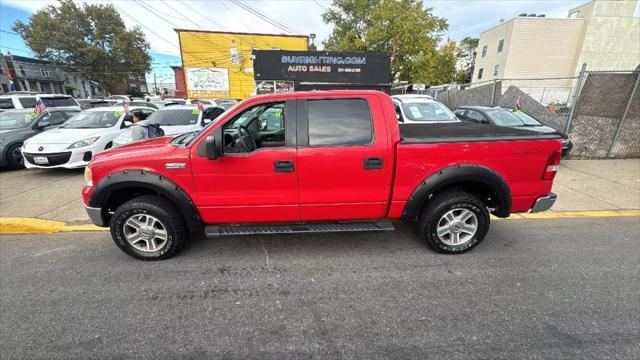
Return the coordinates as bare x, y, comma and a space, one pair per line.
421, 109
176, 119
28, 101
74, 143
318, 161
16, 126
510, 117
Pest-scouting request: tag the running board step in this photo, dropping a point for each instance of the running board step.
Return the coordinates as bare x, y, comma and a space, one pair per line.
212, 231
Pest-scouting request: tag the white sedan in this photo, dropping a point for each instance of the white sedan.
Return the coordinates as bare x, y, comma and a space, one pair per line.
74, 143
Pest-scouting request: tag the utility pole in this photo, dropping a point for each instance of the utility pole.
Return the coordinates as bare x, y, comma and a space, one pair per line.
155, 84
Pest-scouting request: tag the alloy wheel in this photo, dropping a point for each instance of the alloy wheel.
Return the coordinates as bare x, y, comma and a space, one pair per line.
145, 233
457, 227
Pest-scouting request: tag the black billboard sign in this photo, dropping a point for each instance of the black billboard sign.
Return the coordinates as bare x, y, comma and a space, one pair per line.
322, 66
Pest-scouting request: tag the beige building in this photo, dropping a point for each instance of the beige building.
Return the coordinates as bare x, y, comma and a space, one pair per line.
604, 34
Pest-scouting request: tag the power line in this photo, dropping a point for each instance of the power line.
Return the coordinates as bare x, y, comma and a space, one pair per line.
320, 5
234, 15
262, 16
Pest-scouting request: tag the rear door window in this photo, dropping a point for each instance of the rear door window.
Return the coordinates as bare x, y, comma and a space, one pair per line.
58, 101
175, 117
339, 122
476, 116
28, 102
6, 104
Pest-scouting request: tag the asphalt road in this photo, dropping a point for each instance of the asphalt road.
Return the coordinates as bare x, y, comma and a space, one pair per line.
535, 289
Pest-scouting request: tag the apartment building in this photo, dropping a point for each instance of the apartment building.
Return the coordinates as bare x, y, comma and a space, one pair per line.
29, 74
604, 34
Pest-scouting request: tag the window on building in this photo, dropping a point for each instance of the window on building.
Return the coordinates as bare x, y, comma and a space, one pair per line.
496, 69
480, 71
45, 73
484, 50
339, 122
500, 45
21, 69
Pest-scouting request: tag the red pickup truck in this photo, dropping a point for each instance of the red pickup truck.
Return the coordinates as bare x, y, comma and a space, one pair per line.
322, 161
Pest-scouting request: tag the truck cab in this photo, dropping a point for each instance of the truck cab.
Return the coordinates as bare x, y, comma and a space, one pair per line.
317, 161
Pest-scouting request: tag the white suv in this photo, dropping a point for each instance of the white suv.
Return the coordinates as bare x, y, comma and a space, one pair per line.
27, 100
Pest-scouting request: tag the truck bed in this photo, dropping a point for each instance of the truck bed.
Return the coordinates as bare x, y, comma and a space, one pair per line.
465, 132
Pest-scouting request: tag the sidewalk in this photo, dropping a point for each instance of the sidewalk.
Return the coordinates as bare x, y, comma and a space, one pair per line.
598, 185
581, 185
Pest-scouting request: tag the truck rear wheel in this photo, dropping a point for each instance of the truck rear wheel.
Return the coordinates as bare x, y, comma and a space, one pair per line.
454, 222
148, 228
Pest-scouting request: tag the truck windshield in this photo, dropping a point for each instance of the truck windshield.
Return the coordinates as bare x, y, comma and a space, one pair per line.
15, 119
427, 111
93, 120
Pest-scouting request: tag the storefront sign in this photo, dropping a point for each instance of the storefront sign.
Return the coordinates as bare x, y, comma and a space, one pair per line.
322, 66
207, 79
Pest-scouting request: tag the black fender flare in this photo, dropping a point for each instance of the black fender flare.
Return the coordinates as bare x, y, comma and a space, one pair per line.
147, 180
500, 191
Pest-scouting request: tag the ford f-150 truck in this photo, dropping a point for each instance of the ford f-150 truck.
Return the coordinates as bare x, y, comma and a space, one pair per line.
322, 161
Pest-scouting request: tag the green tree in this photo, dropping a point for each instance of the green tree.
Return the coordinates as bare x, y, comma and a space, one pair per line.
466, 58
440, 67
91, 39
405, 29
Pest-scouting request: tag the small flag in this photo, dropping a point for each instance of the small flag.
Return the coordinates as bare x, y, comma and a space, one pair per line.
200, 106
126, 109
518, 104
40, 107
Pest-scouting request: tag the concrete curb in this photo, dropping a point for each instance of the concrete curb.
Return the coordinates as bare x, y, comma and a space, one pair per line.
24, 225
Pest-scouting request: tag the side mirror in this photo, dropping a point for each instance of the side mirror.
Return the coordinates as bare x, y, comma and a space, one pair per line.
206, 121
127, 123
43, 124
211, 148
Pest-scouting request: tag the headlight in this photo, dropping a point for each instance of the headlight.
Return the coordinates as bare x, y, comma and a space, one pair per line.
83, 143
88, 177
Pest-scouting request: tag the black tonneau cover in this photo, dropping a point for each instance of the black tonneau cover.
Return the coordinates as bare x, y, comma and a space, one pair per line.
465, 132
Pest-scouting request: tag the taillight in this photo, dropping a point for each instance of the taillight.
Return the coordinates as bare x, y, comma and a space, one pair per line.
551, 168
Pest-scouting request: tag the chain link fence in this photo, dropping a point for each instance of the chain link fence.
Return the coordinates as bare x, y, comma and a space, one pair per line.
599, 110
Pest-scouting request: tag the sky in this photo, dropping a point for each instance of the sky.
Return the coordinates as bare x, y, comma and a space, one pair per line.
158, 18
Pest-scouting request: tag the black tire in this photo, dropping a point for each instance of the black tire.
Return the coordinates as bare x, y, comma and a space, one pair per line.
14, 161
457, 201
162, 210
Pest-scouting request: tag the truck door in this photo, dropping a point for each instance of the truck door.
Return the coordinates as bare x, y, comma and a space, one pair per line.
343, 164
255, 179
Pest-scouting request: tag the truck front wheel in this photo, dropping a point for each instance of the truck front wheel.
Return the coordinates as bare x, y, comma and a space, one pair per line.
454, 222
148, 227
